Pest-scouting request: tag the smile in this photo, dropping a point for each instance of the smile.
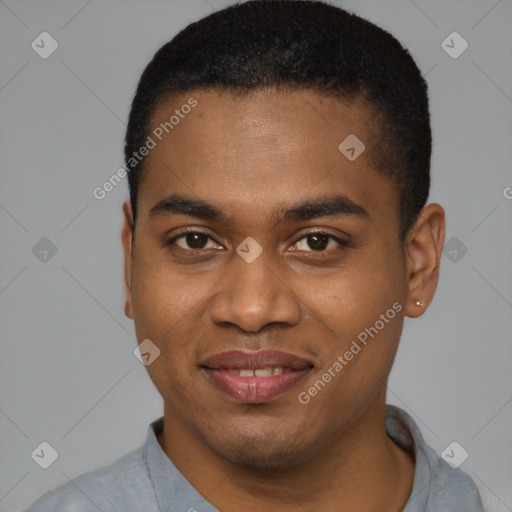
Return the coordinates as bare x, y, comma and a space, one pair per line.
255, 377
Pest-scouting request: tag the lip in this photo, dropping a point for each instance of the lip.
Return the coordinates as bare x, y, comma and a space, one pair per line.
255, 389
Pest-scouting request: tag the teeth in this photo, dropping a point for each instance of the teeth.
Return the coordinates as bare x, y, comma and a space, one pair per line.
260, 372
263, 372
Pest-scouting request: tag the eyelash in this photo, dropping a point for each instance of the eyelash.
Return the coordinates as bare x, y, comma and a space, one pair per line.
341, 242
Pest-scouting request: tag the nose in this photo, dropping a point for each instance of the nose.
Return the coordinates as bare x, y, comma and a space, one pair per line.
253, 295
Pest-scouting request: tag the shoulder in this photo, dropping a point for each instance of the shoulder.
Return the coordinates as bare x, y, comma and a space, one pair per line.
438, 487
118, 486
450, 488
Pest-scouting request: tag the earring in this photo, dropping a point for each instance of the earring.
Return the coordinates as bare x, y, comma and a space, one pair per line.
419, 303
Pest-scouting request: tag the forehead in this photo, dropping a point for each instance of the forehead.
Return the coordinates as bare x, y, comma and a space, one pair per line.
264, 147
299, 117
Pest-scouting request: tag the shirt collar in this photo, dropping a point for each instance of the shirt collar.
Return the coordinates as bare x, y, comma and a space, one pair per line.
404, 432
171, 487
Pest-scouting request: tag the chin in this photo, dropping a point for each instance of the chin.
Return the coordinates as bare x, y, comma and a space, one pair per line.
258, 453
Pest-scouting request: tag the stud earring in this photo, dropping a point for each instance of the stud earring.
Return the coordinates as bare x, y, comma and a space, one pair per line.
419, 303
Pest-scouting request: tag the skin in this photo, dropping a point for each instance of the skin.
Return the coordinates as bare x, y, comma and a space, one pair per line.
251, 157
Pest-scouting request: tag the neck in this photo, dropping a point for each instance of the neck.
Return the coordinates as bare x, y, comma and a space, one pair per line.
362, 470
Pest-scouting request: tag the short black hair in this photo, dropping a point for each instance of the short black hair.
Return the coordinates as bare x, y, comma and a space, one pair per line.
299, 44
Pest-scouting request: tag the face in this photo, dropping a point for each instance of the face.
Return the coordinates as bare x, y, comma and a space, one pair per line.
262, 256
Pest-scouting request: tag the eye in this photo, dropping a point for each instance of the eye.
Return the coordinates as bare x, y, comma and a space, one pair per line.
318, 242
193, 241
312, 242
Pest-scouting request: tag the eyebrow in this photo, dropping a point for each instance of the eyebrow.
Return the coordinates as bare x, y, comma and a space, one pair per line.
328, 206
181, 205
331, 206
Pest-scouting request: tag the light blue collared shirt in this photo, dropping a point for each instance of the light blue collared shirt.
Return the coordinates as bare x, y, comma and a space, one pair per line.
145, 480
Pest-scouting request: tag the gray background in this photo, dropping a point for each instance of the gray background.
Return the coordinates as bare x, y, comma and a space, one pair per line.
67, 371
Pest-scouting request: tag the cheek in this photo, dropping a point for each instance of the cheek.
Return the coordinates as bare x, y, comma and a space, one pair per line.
170, 308
362, 303
163, 297
356, 295
165, 309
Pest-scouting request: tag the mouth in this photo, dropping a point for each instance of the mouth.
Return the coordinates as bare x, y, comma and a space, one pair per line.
255, 377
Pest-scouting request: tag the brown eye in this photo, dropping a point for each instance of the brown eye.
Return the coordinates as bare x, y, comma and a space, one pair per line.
317, 242
193, 241
196, 240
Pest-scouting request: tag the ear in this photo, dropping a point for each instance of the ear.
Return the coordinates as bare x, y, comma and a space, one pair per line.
423, 253
127, 240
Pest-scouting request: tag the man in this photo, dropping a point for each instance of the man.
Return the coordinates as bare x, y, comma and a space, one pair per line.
276, 236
